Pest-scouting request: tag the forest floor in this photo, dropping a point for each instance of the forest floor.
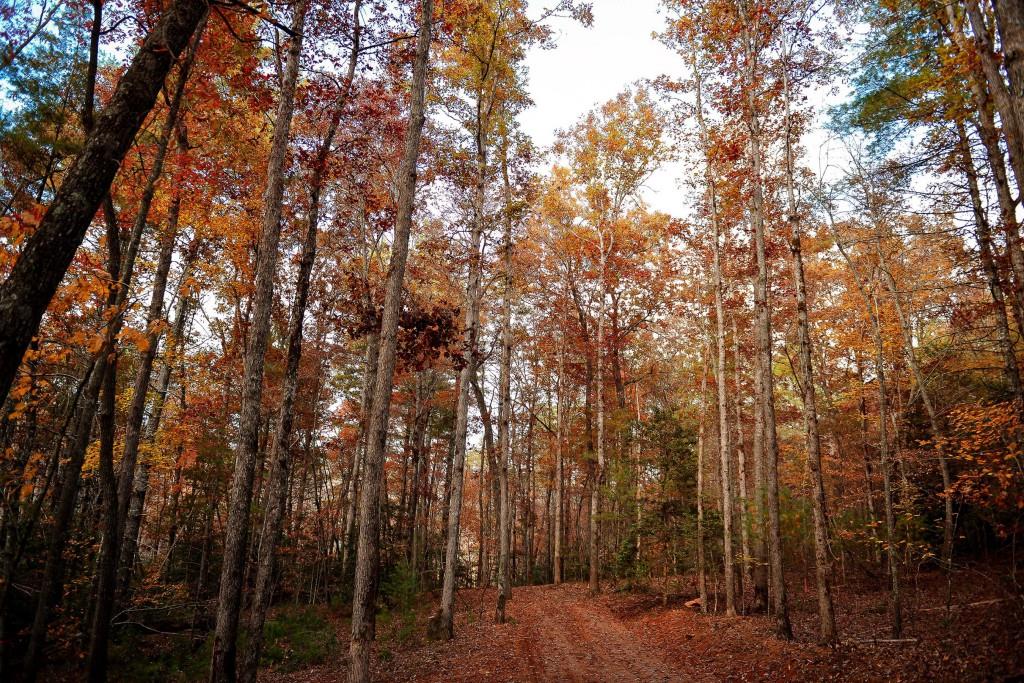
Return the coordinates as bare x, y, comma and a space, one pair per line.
966, 629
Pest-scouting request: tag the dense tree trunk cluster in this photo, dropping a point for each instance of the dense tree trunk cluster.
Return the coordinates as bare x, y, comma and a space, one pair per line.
296, 323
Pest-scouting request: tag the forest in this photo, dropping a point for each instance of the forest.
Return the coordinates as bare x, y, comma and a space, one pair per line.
315, 365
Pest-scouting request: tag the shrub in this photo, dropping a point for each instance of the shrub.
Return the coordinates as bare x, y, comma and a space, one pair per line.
297, 638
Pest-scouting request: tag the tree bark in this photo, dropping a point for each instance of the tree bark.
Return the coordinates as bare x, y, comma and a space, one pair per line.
491, 462
883, 447
827, 634
764, 342
482, 503
27, 291
741, 465
758, 517
1010, 22
1009, 111
983, 96
871, 308
444, 620
53, 571
724, 448
505, 406
588, 363
559, 511
983, 234
222, 665
421, 461
106, 564
822, 563
280, 455
598, 480
367, 557
370, 360
702, 577
108, 587
133, 524
116, 305
934, 421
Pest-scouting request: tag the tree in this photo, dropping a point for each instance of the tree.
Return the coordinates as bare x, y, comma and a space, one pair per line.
367, 557
723, 411
610, 154
827, 634
223, 665
28, 289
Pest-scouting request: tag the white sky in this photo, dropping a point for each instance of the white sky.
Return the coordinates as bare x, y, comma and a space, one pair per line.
589, 66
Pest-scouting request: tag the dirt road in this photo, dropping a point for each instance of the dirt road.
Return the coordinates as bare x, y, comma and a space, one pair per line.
554, 634
565, 634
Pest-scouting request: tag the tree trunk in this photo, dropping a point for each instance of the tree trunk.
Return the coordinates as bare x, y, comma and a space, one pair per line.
505, 407
136, 412
53, 571
723, 400
27, 291
588, 364
983, 235
445, 618
822, 564
365, 591
759, 557
421, 460
116, 303
371, 356
106, 565
598, 480
741, 465
983, 95
140, 487
559, 511
638, 499
445, 506
1010, 22
883, 447
222, 665
491, 461
482, 562
280, 455
871, 308
702, 577
764, 343
1009, 114
933, 417
443, 621
529, 517
724, 447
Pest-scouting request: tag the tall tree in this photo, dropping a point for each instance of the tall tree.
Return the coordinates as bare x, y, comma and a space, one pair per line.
280, 456
827, 633
223, 661
505, 395
723, 400
752, 46
364, 596
117, 500
27, 291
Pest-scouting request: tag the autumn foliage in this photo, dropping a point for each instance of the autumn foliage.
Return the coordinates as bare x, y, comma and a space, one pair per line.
809, 377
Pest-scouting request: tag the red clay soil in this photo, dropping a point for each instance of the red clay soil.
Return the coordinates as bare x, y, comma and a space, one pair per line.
564, 634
